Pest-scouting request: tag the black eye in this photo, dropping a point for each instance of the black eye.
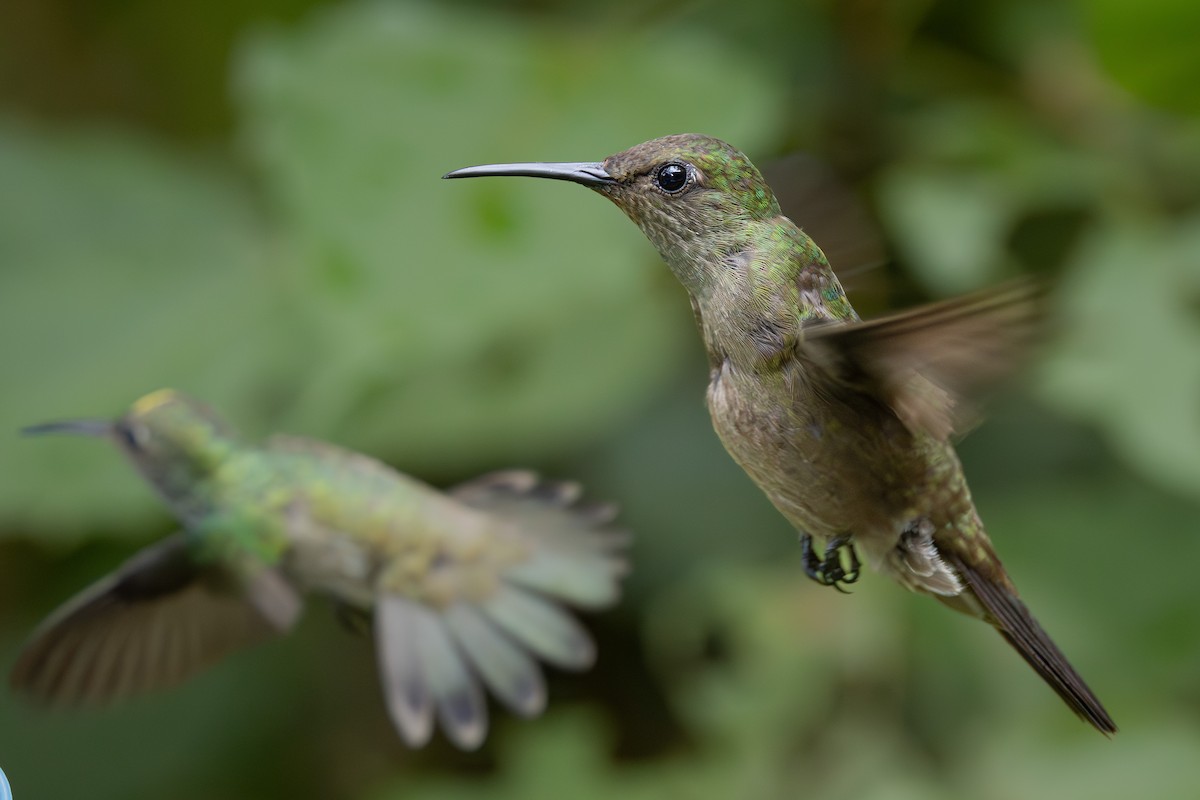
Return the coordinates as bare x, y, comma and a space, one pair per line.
129, 436
672, 177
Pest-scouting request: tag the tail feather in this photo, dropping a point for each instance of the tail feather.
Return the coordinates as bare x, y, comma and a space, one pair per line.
461, 709
572, 551
508, 670
409, 697
567, 576
1011, 617
542, 627
494, 604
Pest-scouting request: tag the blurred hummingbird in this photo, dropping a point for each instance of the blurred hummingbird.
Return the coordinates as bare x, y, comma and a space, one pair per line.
844, 424
466, 588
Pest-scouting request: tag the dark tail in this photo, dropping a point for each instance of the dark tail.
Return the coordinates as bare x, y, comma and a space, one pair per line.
1021, 630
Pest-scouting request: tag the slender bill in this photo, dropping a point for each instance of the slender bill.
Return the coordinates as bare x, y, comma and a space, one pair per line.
78, 427
588, 173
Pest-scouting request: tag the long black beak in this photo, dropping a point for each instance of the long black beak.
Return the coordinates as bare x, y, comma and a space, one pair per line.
78, 427
588, 173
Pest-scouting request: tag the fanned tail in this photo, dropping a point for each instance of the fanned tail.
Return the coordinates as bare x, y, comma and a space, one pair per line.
574, 552
484, 616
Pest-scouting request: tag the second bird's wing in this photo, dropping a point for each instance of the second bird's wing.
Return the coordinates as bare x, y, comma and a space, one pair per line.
154, 622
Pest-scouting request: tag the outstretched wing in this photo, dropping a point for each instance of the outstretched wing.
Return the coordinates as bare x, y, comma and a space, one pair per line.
154, 622
927, 363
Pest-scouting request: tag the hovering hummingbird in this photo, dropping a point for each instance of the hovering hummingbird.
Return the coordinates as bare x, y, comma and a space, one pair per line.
844, 424
465, 587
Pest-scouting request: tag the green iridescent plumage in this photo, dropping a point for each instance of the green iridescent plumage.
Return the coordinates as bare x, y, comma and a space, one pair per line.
466, 587
844, 424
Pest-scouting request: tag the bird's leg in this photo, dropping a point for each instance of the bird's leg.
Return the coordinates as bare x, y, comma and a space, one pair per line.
828, 571
832, 571
833, 560
813, 566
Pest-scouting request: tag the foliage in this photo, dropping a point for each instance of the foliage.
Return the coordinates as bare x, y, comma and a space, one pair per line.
272, 236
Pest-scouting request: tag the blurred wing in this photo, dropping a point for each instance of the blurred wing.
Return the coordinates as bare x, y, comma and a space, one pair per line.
487, 607
926, 364
834, 214
153, 623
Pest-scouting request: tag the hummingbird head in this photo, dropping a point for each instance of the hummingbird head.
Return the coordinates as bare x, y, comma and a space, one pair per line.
693, 196
173, 440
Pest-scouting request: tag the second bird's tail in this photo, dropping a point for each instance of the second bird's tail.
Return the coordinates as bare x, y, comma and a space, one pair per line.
491, 607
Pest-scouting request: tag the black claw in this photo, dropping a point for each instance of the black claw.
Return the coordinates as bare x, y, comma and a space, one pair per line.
828, 571
812, 564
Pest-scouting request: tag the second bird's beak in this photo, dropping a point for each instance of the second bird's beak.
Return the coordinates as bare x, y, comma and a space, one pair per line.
588, 173
77, 427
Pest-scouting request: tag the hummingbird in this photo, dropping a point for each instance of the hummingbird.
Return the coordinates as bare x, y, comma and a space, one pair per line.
464, 589
845, 424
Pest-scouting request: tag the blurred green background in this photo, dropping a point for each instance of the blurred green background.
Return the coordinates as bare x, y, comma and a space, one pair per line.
241, 200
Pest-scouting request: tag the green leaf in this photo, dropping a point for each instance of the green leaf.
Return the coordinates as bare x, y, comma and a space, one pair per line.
1149, 47
1129, 356
951, 226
